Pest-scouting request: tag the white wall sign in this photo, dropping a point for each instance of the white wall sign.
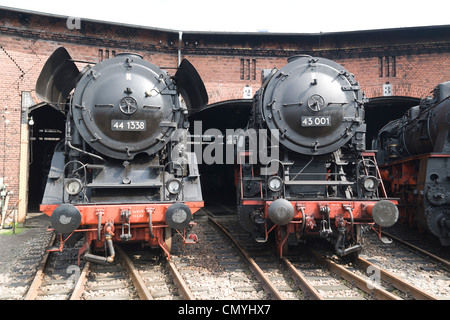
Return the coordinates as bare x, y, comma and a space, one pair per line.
387, 90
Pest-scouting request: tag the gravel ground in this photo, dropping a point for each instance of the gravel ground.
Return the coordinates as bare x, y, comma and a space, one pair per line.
20, 255
411, 266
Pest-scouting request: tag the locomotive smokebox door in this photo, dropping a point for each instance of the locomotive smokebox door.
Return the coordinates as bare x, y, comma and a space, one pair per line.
125, 106
178, 216
65, 218
314, 104
385, 213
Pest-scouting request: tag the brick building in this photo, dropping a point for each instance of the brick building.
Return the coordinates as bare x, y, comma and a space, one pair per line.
391, 65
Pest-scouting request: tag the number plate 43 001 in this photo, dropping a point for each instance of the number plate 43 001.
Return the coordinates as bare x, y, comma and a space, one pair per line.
316, 121
128, 125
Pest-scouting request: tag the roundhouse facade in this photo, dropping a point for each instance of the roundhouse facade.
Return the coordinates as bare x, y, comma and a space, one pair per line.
393, 66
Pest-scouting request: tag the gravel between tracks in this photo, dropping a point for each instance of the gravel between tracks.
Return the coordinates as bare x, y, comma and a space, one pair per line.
219, 273
408, 265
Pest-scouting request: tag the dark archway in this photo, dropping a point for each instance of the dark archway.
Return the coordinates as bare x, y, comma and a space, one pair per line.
46, 130
218, 183
380, 110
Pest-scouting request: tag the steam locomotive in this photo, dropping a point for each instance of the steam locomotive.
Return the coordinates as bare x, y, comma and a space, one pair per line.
413, 153
302, 167
122, 173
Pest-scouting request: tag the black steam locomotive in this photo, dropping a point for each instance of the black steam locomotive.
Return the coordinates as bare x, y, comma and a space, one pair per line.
309, 175
414, 152
123, 172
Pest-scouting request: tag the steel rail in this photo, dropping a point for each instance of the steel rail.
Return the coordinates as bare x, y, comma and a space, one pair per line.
251, 263
360, 282
303, 283
32, 292
398, 283
183, 288
138, 282
445, 263
81, 283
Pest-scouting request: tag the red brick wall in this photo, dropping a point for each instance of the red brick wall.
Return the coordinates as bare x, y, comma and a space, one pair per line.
422, 58
416, 75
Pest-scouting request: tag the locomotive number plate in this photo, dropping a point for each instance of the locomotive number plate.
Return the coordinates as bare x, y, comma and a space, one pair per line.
128, 125
316, 121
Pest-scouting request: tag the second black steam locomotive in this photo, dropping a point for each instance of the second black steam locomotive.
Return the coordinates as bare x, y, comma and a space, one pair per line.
309, 175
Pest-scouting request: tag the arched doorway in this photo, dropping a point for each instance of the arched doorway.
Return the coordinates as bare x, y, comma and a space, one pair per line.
218, 178
46, 129
380, 110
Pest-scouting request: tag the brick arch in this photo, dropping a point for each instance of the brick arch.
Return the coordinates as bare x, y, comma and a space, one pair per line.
381, 109
406, 90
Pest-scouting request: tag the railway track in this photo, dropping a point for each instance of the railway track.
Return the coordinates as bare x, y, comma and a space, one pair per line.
425, 244
226, 264
411, 265
134, 275
362, 280
286, 280
213, 269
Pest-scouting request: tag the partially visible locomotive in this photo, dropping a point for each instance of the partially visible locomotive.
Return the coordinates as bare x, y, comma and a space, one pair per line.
414, 152
122, 172
317, 179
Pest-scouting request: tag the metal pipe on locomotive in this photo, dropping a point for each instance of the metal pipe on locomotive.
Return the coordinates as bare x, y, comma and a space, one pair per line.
323, 183
414, 156
122, 173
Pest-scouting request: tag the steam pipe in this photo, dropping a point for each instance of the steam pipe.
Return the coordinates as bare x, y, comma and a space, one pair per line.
180, 39
339, 246
110, 244
103, 260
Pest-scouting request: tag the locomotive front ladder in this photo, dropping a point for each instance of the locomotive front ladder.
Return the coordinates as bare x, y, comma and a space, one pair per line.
369, 156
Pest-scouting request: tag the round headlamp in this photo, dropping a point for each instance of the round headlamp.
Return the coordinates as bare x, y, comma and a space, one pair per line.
173, 186
73, 186
275, 183
370, 183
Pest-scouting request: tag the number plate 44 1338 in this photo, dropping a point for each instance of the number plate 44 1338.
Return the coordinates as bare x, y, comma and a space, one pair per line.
128, 125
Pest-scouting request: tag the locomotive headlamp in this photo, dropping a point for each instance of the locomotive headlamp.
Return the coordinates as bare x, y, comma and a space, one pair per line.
173, 186
73, 186
275, 183
370, 183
